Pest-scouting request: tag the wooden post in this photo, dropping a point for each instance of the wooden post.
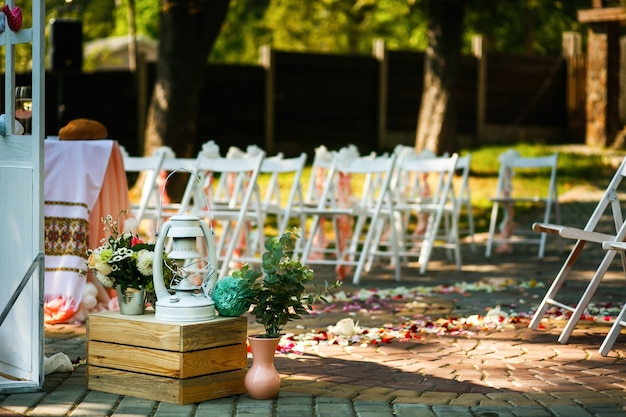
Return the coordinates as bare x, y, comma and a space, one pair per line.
602, 84
141, 77
571, 44
622, 80
603, 60
380, 53
596, 88
267, 61
613, 125
575, 84
479, 51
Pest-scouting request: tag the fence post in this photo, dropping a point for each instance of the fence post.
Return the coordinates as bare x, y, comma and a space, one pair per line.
266, 55
380, 53
575, 84
479, 51
141, 77
622, 79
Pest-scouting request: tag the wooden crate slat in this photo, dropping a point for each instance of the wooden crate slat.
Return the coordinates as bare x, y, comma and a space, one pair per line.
159, 388
145, 331
167, 363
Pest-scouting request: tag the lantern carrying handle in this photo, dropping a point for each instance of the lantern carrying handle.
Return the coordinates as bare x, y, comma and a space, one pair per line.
162, 194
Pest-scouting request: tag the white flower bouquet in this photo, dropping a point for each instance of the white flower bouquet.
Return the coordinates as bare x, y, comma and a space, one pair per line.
122, 259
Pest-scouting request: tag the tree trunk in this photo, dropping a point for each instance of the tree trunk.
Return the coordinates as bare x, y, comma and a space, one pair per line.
188, 31
436, 127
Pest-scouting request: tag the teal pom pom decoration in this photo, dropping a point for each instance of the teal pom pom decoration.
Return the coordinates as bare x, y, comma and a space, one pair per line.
232, 296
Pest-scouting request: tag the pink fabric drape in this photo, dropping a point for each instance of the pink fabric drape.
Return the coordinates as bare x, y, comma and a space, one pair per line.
319, 239
506, 228
344, 224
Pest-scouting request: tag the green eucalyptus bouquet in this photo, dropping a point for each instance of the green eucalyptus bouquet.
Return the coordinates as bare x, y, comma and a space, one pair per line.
277, 294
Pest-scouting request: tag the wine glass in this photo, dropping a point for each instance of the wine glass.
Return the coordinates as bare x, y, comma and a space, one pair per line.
24, 107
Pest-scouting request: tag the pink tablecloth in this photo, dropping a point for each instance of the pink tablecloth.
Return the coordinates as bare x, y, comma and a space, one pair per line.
83, 181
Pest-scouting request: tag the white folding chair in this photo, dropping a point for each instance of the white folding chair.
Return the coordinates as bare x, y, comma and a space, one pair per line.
592, 232
464, 198
322, 162
512, 164
173, 163
243, 211
147, 168
222, 185
620, 320
283, 195
174, 167
422, 202
320, 168
162, 205
371, 200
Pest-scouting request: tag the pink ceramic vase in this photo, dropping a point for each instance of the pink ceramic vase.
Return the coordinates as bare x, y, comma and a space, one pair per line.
262, 380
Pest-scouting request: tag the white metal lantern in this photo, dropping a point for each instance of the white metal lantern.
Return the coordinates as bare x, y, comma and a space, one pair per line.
189, 301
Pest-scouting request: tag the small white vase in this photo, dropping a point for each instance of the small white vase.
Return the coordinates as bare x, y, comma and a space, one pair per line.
262, 380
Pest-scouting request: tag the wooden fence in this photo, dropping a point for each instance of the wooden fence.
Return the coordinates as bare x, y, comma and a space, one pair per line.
294, 102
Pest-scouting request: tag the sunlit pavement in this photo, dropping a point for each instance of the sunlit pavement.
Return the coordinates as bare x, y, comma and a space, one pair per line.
505, 370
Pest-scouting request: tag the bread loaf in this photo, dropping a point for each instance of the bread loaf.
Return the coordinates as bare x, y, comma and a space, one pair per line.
83, 129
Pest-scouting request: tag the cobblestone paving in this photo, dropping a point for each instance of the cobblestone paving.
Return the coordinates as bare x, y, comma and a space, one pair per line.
507, 372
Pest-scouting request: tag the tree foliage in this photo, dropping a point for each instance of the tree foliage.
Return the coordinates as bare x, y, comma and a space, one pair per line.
350, 26
188, 32
96, 16
242, 33
146, 18
325, 26
334, 26
523, 26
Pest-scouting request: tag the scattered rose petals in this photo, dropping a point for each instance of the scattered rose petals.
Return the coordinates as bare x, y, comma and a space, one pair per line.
347, 332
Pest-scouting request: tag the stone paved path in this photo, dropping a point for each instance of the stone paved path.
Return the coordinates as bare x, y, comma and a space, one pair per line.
497, 372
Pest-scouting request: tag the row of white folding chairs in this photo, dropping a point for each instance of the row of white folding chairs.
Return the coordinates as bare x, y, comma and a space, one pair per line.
150, 174
460, 190
348, 210
372, 224
224, 190
244, 215
146, 169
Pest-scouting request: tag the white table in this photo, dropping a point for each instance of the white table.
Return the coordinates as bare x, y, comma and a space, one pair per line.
83, 181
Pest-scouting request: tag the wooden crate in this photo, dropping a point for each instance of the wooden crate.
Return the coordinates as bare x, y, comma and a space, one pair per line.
179, 363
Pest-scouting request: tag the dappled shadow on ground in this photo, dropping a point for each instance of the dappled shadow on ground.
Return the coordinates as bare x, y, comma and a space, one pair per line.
491, 359
514, 359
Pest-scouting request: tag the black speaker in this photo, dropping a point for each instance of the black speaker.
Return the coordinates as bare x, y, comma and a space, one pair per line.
66, 45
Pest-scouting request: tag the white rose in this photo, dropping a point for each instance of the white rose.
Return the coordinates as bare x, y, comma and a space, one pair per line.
144, 262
